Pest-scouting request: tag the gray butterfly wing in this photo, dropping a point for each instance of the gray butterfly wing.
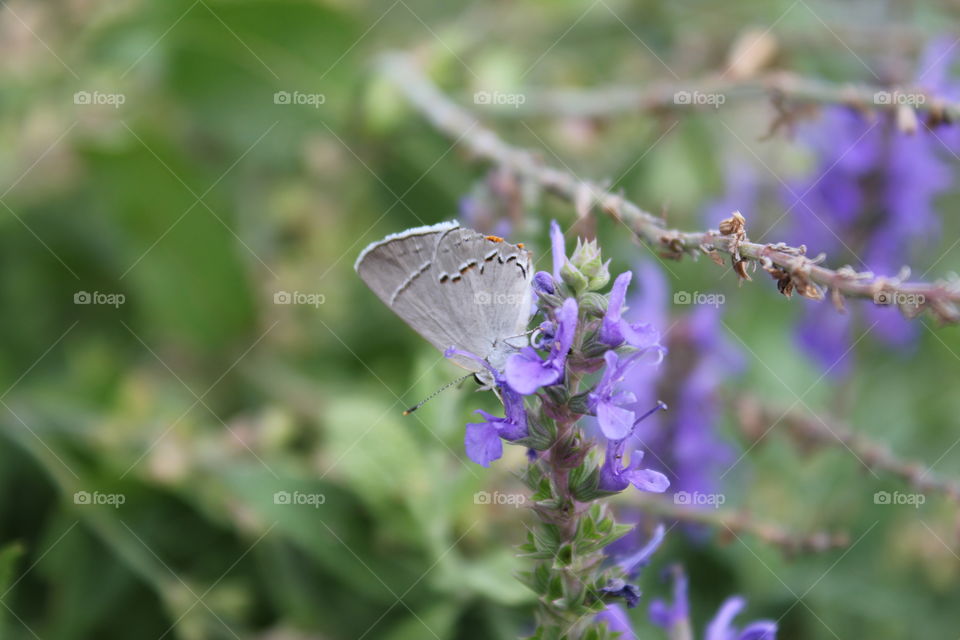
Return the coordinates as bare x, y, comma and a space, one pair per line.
455, 287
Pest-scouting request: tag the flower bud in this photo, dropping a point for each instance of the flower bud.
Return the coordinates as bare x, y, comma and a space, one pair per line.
585, 270
543, 283
593, 304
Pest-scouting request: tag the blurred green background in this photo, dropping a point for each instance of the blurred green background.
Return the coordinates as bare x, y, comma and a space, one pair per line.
198, 395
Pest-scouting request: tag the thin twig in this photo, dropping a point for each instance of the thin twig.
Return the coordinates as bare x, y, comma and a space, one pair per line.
736, 523
604, 102
789, 265
811, 433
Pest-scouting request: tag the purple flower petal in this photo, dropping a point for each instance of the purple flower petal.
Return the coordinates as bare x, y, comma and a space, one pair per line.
557, 249
721, 627
514, 426
482, 442
647, 480
526, 372
660, 613
667, 615
610, 331
615, 422
633, 563
567, 329
452, 352
642, 336
760, 630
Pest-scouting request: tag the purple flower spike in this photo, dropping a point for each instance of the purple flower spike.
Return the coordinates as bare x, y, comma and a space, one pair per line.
721, 627
525, 372
614, 330
615, 477
557, 249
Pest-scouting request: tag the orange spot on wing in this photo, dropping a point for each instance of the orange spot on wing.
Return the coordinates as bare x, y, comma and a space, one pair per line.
494, 238
520, 245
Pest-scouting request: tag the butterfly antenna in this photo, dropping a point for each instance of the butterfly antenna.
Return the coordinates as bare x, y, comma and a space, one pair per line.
436, 393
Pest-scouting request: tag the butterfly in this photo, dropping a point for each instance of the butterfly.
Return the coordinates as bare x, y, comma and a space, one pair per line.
457, 288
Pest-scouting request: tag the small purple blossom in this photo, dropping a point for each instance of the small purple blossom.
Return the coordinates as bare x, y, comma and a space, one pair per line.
614, 330
544, 335
615, 421
614, 476
483, 439
525, 372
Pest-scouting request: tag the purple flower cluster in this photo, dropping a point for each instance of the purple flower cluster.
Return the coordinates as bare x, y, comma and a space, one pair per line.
871, 199
617, 346
526, 371
588, 359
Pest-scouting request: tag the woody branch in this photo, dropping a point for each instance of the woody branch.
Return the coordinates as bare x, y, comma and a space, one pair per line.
729, 523
788, 265
783, 87
811, 433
